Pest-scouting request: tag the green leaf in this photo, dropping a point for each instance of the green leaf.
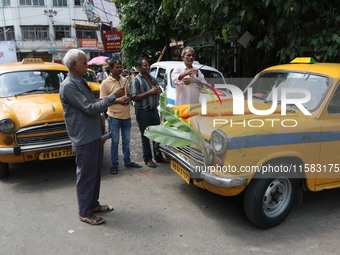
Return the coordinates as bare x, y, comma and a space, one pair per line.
225, 34
169, 136
171, 116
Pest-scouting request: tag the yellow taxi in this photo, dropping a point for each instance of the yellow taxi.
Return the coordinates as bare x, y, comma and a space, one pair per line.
277, 137
93, 83
32, 125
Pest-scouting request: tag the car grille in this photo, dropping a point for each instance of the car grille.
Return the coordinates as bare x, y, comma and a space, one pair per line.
52, 132
192, 153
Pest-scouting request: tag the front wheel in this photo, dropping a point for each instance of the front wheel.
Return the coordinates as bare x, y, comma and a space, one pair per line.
268, 201
4, 169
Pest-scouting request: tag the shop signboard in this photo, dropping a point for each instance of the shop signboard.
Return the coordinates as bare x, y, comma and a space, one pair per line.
70, 43
87, 43
112, 40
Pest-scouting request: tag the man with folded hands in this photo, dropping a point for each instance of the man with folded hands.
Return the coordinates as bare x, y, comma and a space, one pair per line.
119, 118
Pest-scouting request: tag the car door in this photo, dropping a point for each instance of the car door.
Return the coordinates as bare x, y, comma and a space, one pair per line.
328, 171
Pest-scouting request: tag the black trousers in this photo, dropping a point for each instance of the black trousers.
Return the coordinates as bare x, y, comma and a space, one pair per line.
145, 119
89, 162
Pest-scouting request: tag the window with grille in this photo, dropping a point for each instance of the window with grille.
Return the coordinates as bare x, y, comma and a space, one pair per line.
32, 2
59, 2
35, 33
6, 3
77, 2
86, 34
62, 32
9, 32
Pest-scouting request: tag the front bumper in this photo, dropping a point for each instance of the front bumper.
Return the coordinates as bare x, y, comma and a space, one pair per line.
191, 166
17, 150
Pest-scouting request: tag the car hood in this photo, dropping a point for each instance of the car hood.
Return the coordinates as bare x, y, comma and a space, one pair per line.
95, 86
221, 116
32, 109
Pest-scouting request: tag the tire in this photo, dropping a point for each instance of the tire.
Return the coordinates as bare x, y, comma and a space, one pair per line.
268, 201
4, 169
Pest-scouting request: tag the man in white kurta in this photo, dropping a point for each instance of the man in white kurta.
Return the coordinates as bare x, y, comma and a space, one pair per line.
187, 79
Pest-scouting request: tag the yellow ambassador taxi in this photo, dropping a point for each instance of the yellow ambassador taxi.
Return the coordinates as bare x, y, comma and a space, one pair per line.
93, 83
32, 125
281, 135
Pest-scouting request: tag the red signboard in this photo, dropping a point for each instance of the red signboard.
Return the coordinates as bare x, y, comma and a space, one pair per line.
112, 40
87, 43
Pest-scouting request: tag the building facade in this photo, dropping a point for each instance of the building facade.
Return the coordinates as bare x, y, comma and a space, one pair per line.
48, 28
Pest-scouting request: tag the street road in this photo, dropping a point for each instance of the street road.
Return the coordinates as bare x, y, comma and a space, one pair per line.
156, 212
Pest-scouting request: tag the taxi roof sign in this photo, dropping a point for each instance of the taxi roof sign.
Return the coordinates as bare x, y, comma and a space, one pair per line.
308, 60
32, 61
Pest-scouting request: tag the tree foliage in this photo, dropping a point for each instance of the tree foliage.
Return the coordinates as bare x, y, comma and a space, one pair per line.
281, 30
144, 29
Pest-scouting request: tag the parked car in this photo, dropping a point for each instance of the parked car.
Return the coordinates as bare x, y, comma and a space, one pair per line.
268, 158
162, 72
32, 125
93, 83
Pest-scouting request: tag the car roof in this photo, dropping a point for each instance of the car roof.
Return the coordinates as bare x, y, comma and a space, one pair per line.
18, 66
329, 69
173, 64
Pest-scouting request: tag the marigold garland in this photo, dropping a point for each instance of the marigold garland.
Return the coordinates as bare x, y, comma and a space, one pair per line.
214, 114
183, 114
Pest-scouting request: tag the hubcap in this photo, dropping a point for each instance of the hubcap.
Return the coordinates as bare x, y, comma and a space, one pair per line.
277, 197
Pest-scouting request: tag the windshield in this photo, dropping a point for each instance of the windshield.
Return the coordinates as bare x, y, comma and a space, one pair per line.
33, 81
317, 85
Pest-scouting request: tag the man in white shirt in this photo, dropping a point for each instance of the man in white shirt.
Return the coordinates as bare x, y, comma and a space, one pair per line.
187, 79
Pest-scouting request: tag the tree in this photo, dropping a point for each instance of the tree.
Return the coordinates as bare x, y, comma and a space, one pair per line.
144, 28
281, 30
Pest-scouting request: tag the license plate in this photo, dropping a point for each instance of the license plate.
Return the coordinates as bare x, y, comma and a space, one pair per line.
56, 154
180, 171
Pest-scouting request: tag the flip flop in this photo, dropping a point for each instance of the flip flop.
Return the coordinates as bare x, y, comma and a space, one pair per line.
102, 209
151, 164
114, 170
92, 220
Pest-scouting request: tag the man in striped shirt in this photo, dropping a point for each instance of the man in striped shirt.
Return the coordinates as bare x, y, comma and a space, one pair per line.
145, 91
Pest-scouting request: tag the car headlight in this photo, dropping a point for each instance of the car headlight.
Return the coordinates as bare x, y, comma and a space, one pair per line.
219, 141
6, 126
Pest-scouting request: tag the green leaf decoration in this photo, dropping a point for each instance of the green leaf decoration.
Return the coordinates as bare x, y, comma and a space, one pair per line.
169, 136
175, 132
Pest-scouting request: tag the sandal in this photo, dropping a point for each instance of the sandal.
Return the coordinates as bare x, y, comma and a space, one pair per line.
151, 164
103, 209
92, 220
133, 164
114, 170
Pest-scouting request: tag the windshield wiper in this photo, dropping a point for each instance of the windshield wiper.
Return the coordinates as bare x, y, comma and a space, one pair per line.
29, 91
259, 97
53, 91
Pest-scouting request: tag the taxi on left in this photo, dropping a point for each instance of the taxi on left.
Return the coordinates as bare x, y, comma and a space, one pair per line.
93, 83
32, 124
